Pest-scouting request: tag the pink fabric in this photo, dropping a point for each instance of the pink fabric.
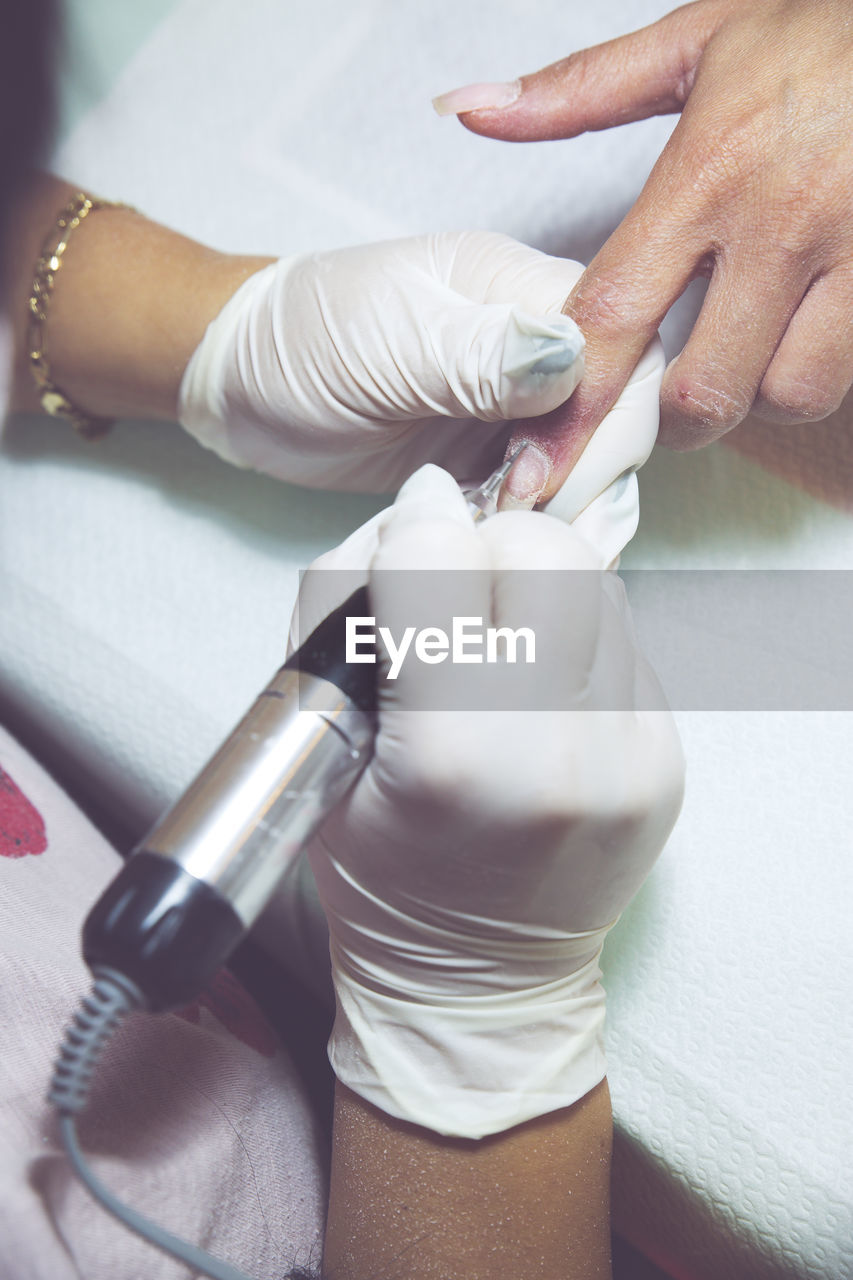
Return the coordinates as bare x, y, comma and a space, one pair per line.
197, 1120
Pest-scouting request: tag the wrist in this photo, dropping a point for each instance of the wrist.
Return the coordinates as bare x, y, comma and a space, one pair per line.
48, 268
128, 306
465, 1064
131, 310
453, 1208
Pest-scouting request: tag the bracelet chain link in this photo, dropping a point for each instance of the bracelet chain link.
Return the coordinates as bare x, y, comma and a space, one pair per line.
53, 400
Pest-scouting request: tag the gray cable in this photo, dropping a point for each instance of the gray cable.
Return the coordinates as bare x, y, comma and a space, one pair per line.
100, 1014
194, 1257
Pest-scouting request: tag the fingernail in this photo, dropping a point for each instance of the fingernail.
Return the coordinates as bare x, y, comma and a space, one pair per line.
526, 481
477, 97
509, 503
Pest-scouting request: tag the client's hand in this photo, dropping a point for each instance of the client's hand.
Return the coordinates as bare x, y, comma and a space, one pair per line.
752, 190
470, 877
346, 369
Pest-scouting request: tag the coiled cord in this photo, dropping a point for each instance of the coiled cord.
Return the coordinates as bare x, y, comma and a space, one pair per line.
112, 997
99, 1016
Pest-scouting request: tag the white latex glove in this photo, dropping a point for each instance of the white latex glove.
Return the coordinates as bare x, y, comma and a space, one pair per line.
470, 877
349, 369
600, 498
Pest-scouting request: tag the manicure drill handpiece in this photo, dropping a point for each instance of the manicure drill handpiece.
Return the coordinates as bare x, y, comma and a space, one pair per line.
483, 501
203, 874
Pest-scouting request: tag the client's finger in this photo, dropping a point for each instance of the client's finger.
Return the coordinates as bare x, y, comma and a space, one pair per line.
812, 370
646, 73
712, 384
618, 305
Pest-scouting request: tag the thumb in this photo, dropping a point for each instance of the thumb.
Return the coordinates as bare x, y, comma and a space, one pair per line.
512, 353
647, 73
497, 361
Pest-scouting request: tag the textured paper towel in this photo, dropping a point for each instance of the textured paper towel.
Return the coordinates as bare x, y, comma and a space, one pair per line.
146, 587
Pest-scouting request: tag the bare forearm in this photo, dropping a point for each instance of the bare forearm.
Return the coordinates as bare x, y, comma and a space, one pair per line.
408, 1204
130, 304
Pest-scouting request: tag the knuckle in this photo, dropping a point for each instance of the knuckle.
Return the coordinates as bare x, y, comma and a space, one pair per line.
434, 774
477, 248
523, 540
793, 398
736, 147
733, 155
604, 305
728, 169
703, 402
655, 787
426, 542
811, 187
575, 74
558, 800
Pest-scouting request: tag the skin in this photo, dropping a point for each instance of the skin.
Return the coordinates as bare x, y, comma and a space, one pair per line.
408, 1204
130, 304
752, 191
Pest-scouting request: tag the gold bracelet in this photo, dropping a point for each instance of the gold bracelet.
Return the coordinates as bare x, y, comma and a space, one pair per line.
53, 400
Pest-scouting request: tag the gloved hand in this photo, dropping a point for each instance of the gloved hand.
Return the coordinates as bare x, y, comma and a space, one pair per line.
471, 875
348, 369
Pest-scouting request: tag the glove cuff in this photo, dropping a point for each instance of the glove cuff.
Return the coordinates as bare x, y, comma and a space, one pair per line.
218, 376
476, 1065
